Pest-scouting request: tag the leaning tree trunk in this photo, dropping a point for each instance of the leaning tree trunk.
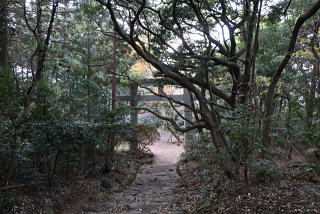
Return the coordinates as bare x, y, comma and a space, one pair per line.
277, 75
41, 51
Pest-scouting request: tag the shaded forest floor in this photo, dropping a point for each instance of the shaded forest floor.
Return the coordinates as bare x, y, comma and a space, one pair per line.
138, 183
151, 185
79, 194
291, 188
149, 193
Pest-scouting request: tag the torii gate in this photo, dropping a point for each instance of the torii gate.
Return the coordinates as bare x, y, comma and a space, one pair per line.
134, 98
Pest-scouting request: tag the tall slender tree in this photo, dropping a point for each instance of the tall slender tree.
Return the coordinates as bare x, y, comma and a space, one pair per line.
3, 34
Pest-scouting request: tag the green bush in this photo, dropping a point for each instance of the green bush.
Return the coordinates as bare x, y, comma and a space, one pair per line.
106, 183
142, 136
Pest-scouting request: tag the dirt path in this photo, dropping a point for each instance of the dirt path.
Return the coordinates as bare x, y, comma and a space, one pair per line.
152, 190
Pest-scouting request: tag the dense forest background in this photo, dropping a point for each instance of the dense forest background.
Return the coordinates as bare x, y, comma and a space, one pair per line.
251, 69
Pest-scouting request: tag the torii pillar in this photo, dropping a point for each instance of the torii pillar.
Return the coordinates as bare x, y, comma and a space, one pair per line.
188, 114
134, 112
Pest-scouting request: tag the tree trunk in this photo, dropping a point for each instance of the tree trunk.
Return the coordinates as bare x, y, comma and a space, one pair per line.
188, 136
134, 114
269, 102
310, 98
287, 135
3, 34
89, 67
42, 47
13, 160
245, 87
114, 94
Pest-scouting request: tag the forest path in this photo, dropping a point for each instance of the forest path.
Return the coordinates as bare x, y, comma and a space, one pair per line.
151, 192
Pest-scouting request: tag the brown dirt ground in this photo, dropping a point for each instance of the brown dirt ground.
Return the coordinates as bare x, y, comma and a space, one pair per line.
150, 192
287, 190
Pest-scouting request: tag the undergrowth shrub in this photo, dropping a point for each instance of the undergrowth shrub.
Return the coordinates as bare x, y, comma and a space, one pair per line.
313, 156
49, 151
106, 183
142, 137
264, 170
146, 135
7, 202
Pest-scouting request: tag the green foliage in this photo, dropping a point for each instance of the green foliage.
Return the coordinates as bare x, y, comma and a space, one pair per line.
151, 121
70, 121
9, 97
106, 183
270, 54
7, 202
58, 141
239, 131
276, 12
7, 82
313, 158
49, 210
205, 205
143, 136
90, 7
265, 170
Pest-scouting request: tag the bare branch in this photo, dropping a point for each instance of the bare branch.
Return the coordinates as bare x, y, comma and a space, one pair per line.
200, 124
